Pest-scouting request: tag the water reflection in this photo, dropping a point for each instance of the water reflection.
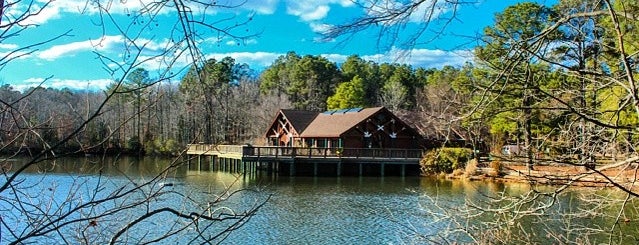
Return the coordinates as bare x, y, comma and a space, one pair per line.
365, 210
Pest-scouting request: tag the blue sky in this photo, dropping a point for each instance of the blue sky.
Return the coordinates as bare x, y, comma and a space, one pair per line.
279, 26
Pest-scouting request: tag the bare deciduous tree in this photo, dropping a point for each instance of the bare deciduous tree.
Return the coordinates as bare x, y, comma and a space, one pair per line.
100, 208
578, 100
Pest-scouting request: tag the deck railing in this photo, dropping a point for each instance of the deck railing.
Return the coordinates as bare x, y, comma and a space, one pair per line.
305, 152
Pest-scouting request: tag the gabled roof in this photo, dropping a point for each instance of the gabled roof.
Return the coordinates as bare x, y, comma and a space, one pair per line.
334, 123
299, 119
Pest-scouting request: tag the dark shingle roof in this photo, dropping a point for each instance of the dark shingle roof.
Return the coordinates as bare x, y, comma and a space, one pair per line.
333, 125
299, 119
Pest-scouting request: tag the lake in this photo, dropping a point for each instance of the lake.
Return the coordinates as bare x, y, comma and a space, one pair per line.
301, 210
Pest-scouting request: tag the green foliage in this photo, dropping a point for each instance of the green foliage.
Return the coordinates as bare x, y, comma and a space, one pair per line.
368, 71
445, 160
159, 147
307, 81
134, 144
348, 95
209, 80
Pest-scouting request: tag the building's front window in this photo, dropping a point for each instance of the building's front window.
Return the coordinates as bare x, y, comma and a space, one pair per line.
335, 143
321, 143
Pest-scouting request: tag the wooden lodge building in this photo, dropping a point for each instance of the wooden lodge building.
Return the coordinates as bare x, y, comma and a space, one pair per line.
348, 128
356, 141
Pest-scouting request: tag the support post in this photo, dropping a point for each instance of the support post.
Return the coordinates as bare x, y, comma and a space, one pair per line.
315, 169
339, 168
292, 168
382, 170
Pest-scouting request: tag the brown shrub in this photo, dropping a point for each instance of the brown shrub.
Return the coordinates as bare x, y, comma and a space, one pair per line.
496, 168
471, 168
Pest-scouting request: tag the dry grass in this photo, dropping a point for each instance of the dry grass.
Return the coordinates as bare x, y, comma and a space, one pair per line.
471, 168
563, 174
496, 168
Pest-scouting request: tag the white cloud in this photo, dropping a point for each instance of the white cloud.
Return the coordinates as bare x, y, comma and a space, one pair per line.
8, 46
260, 60
97, 84
319, 27
250, 41
261, 7
319, 13
337, 58
254, 59
313, 10
427, 10
13, 54
231, 43
104, 45
417, 57
43, 11
57, 51
346, 3
49, 10
234, 42
423, 57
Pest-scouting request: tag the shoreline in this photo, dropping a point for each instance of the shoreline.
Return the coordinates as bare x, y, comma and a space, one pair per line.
557, 175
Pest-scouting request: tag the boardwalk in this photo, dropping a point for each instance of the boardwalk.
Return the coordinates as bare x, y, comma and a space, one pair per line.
301, 160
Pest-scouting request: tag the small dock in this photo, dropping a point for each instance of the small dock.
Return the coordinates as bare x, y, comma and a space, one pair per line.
307, 161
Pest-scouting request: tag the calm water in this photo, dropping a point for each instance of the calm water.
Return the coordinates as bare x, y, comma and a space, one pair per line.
328, 210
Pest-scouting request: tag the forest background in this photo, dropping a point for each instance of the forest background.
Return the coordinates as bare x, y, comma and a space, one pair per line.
544, 77
558, 80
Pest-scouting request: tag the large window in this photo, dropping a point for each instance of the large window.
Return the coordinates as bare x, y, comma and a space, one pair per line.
335, 143
321, 143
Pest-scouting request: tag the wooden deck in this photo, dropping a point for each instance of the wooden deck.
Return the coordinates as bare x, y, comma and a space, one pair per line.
319, 158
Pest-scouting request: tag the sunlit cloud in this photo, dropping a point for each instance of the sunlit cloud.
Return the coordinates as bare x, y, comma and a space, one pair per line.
9, 46
98, 84
427, 58
417, 57
254, 59
173, 67
104, 44
313, 10
14, 55
319, 27
308, 12
337, 58
44, 11
250, 41
427, 10
261, 7
69, 49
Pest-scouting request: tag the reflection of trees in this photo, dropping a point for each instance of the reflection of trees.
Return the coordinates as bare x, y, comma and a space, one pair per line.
42, 123
560, 79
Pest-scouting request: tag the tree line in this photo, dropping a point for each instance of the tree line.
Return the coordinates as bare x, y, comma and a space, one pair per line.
556, 79
552, 87
221, 102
